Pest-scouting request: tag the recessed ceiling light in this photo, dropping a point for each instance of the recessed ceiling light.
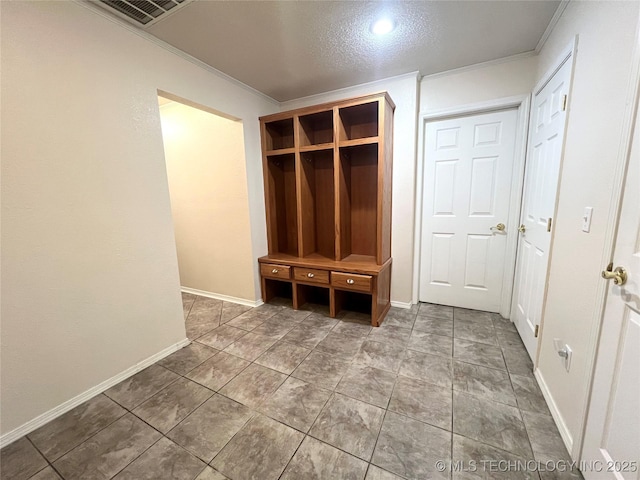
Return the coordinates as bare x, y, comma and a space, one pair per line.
382, 26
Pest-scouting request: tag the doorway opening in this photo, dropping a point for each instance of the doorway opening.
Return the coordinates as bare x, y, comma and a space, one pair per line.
206, 173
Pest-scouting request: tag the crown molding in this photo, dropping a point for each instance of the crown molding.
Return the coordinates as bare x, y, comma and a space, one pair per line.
552, 24
477, 66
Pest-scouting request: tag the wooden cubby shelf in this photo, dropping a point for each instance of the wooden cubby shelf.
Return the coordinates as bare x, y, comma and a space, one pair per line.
327, 172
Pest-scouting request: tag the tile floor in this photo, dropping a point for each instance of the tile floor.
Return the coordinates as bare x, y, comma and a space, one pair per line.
269, 392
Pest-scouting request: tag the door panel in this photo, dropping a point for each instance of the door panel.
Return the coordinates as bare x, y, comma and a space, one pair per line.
541, 184
467, 188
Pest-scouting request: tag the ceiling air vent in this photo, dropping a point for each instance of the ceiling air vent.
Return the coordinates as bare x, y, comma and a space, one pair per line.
142, 12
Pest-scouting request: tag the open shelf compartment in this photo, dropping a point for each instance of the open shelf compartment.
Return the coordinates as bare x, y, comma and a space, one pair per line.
316, 129
318, 203
281, 204
312, 295
359, 121
353, 302
358, 201
279, 134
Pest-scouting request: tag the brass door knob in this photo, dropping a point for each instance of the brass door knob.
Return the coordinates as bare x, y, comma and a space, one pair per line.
522, 228
619, 275
500, 227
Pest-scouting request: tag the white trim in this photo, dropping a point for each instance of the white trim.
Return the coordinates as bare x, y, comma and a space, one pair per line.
170, 48
522, 103
405, 305
613, 217
226, 298
552, 24
55, 412
569, 51
555, 412
346, 90
476, 66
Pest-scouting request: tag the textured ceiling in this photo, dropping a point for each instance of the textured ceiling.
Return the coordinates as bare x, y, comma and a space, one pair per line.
289, 49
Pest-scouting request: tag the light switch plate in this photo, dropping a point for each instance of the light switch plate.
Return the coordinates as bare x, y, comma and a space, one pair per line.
586, 219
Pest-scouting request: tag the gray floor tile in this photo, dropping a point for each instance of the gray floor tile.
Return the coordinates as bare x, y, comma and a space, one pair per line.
219, 370
288, 314
380, 355
367, 384
250, 319
489, 422
197, 330
434, 325
545, 439
475, 316
429, 368
283, 357
475, 332
187, 303
109, 451
400, 317
509, 339
205, 311
268, 444
321, 369
46, 474
170, 406
307, 336
390, 335
518, 361
503, 324
342, 346
275, 329
528, 394
315, 460
231, 311
488, 383
210, 474
187, 358
478, 353
140, 387
349, 424
165, 459
410, 448
221, 337
254, 385
250, 346
429, 343
296, 403
320, 321
71, 429
433, 310
481, 461
422, 401
376, 473
353, 328
20, 460
208, 429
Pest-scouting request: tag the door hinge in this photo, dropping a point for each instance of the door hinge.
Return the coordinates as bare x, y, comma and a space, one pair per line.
535, 333
564, 103
549, 224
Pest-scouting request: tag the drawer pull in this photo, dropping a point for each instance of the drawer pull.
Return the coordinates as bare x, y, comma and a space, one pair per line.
350, 281
275, 270
310, 275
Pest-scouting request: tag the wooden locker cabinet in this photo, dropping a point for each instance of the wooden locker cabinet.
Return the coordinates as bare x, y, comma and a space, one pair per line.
327, 180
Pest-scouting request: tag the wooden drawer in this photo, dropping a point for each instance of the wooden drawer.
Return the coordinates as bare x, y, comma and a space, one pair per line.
275, 271
311, 275
349, 281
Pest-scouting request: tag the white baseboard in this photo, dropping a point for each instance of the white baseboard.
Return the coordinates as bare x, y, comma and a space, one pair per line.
406, 305
555, 413
226, 298
55, 412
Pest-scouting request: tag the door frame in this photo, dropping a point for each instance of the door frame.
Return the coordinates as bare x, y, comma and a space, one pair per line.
522, 104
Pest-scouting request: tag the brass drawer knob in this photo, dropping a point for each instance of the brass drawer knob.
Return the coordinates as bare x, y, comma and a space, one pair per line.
275, 270
310, 275
350, 281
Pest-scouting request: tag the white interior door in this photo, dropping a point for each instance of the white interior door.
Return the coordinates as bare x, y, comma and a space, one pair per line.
467, 189
546, 135
611, 446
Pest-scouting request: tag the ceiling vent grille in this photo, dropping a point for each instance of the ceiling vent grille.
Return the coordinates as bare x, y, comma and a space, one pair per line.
142, 13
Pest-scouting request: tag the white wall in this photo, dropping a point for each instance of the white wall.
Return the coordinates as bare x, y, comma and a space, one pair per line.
89, 272
207, 175
597, 109
404, 93
510, 77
